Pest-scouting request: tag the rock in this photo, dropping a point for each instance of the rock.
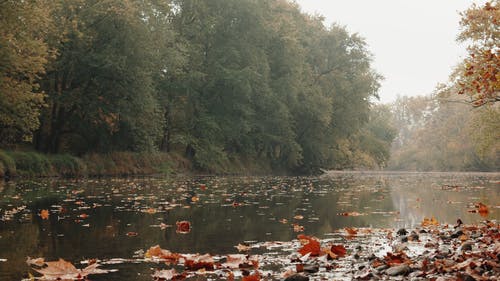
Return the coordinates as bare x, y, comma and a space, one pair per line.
416, 274
382, 268
311, 268
466, 247
414, 236
402, 232
398, 270
457, 233
297, 277
466, 277
445, 250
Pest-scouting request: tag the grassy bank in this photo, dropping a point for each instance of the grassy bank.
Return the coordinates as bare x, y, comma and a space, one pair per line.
33, 164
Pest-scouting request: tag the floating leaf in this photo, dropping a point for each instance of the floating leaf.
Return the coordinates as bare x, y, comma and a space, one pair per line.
243, 248
350, 214
200, 262
183, 227
44, 214
64, 270
430, 222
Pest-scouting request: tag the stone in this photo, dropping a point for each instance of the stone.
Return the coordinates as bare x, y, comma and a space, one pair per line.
297, 277
398, 270
466, 247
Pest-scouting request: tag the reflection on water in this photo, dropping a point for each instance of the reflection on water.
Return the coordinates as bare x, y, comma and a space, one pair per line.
95, 218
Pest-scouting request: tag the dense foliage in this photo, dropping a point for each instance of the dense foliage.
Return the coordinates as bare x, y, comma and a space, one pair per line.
224, 83
479, 75
445, 136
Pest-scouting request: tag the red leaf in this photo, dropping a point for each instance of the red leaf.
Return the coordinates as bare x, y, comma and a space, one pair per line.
183, 227
312, 246
338, 250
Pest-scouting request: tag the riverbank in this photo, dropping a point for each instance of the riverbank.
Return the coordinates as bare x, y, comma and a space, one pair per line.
23, 164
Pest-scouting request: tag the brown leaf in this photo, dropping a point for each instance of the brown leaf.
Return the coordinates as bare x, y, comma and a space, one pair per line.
199, 262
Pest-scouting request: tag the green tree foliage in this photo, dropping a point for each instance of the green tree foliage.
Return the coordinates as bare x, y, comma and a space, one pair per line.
23, 55
221, 82
100, 88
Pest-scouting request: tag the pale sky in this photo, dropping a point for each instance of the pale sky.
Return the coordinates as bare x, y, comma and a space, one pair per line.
412, 41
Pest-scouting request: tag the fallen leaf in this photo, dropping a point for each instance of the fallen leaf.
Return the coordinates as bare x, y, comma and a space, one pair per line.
350, 214
44, 214
338, 250
312, 245
64, 270
200, 262
131, 234
351, 231
253, 277
297, 227
430, 222
183, 227
242, 248
482, 210
298, 217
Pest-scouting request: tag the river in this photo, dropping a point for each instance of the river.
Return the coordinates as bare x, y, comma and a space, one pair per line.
108, 219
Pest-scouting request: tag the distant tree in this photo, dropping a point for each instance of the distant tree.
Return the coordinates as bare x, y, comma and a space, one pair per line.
479, 75
24, 53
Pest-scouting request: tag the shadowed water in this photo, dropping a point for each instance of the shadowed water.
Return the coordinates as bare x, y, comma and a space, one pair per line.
114, 218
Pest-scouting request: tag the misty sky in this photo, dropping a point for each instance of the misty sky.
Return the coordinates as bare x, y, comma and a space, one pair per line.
413, 42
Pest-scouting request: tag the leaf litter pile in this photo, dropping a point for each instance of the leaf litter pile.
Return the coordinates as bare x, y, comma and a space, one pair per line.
288, 219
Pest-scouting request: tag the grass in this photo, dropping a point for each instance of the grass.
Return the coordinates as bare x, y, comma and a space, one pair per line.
34, 164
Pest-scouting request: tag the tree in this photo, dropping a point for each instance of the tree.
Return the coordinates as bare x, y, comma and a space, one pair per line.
479, 74
100, 87
24, 53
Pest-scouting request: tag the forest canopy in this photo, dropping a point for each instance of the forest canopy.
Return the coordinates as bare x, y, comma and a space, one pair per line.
219, 82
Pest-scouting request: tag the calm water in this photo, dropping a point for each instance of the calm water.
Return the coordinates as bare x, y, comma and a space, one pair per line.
114, 218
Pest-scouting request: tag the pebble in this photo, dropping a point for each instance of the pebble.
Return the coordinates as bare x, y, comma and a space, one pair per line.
466, 247
398, 270
311, 268
297, 277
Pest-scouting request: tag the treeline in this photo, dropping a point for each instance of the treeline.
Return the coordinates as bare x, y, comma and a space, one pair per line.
220, 82
438, 134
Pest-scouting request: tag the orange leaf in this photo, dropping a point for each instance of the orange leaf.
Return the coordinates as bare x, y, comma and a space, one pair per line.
430, 222
351, 231
312, 246
482, 210
254, 277
44, 214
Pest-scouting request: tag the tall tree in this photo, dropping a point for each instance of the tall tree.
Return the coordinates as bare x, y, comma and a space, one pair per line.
24, 27
479, 75
100, 88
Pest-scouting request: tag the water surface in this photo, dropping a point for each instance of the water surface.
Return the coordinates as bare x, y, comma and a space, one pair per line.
114, 218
